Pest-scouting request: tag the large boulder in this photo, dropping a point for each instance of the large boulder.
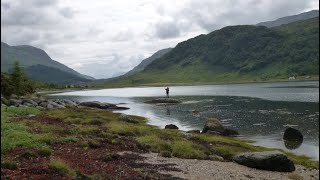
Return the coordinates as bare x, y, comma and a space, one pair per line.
230, 132
163, 101
69, 102
269, 160
213, 125
171, 126
292, 134
29, 102
97, 104
15, 102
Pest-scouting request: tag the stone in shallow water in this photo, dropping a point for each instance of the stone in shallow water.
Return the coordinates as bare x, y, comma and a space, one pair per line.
269, 160
164, 101
214, 125
292, 134
171, 126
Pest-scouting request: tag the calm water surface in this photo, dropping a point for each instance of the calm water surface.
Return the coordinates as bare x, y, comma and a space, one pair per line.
260, 112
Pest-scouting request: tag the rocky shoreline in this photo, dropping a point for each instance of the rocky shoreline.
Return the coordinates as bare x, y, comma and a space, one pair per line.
43, 103
98, 129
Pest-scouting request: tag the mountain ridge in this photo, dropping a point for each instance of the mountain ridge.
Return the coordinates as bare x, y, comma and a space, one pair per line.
28, 56
290, 19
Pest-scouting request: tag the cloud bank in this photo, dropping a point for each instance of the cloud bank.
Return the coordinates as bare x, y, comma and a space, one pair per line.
108, 38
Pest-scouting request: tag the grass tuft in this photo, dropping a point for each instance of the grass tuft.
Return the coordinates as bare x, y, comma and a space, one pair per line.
62, 167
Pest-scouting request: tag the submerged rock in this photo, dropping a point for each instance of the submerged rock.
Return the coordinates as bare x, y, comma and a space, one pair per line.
269, 160
171, 126
164, 101
292, 134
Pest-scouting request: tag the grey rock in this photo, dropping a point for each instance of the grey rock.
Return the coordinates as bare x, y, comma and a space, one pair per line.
269, 160
171, 126
43, 104
14, 102
292, 134
69, 102
28, 105
213, 125
29, 101
95, 104
49, 106
230, 132
216, 158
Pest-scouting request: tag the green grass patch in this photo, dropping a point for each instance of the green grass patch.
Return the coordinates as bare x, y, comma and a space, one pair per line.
45, 151
18, 111
188, 150
62, 167
8, 164
14, 134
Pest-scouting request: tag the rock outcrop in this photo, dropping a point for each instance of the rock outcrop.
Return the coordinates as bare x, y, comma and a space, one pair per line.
269, 160
214, 126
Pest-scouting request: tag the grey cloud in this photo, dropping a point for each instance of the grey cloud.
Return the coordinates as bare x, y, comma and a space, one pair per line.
116, 65
67, 12
21, 37
42, 3
211, 15
33, 22
166, 30
5, 6
123, 35
239, 12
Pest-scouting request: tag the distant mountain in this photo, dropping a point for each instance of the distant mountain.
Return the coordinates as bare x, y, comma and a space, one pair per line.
52, 75
290, 19
147, 61
29, 56
235, 54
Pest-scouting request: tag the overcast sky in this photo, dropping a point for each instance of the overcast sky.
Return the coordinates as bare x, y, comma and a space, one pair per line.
104, 38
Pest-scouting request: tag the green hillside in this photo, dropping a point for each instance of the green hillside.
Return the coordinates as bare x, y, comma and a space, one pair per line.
236, 54
28, 56
290, 19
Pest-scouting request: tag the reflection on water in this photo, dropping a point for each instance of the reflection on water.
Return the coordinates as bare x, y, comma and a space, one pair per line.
262, 119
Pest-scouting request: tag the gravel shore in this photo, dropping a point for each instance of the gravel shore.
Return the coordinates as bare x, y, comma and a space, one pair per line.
208, 170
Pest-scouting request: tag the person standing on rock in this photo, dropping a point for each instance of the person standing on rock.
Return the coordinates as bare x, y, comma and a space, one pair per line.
167, 92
